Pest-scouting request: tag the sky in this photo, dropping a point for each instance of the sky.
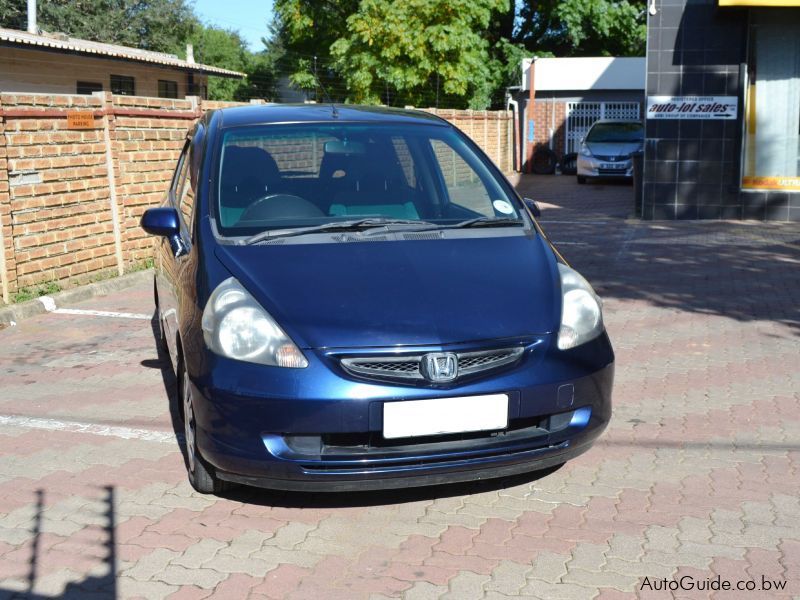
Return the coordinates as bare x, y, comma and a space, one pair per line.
249, 17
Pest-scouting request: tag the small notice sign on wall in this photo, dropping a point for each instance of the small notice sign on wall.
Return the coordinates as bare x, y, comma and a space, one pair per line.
80, 119
692, 107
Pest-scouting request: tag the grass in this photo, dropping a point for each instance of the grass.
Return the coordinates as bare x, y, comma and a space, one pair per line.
51, 287
141, 265
36, 291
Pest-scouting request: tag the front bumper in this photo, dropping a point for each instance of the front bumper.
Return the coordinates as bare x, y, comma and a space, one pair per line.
319, 429
594, 167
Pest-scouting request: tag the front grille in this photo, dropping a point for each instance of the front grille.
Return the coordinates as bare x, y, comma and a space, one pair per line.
620, 171
474, 362
612, 157
407, 368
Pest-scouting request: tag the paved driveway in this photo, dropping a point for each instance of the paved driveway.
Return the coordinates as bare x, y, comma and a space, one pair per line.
697, 476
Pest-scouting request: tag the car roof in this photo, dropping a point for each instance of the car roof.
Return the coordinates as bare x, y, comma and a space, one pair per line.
299, 113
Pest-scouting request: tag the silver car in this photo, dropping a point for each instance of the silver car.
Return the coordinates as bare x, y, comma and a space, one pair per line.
606, 150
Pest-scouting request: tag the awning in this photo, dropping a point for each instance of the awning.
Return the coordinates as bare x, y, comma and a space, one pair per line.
762, 3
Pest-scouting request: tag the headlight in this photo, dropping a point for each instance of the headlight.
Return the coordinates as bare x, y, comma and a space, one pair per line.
585, 151
581, 316
235, 325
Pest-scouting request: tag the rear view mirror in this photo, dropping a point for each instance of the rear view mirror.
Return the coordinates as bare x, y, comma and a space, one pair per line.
533, 206
161, 221
344, 147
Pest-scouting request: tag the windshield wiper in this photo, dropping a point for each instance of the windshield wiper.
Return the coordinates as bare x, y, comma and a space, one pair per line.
486, 222
476, 222
352, 225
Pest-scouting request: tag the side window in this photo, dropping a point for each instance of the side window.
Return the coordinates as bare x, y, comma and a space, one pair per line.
181, 190
185, 196
464, 187
405, 160
180, 175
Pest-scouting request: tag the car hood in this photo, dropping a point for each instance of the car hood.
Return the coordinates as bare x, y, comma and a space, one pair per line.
613, 148
390, 293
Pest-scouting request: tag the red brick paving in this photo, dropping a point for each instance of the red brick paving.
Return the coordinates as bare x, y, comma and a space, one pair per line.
696, 476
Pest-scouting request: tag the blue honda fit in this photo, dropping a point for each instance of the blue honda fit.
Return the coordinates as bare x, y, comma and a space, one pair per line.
356, 298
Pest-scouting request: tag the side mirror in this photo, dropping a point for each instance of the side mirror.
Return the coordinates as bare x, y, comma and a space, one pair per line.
165, 222
533, 206
161, 221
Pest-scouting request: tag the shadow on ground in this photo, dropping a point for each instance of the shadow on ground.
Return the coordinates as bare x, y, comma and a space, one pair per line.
739, 270
102, 587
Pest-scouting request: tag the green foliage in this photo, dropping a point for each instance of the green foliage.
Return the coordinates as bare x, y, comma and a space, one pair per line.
458, 53
408, 44
37, 291
221, 48
306, 30
262, 80
583, 27
411, 52
140, 265
160, 25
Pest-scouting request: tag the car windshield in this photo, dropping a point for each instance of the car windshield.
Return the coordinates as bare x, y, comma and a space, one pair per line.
615, 132
312, 175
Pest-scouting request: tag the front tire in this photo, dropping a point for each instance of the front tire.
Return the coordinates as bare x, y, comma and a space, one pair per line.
201, 475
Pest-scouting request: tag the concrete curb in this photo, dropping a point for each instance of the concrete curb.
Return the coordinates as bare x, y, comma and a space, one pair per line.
12, 314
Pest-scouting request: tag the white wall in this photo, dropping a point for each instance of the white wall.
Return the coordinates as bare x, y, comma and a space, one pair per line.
592, 73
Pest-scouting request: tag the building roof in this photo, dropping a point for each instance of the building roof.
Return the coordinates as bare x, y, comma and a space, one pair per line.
592, 73
64, 43
315, 113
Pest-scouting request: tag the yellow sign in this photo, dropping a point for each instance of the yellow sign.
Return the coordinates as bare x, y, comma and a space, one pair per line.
759, 2
771, 183
80, 119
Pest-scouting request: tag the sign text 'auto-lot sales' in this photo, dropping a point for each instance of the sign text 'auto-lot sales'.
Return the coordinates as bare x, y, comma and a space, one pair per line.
691, 107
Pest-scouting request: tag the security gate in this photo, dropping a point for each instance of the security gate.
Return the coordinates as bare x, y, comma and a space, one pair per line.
582, 115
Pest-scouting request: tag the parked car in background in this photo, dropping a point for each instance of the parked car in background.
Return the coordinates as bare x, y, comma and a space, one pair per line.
606, 150
356, 298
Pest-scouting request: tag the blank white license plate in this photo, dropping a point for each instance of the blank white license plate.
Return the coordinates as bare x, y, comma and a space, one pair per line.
414, 418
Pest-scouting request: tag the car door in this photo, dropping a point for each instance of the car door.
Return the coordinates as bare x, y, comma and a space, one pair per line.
172, 255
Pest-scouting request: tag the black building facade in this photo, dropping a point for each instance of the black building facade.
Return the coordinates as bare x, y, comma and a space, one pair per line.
723, 110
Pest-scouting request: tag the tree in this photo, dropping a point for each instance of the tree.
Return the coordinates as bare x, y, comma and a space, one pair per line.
411, 52
306, 30
160, 25
583, 27
416, 44
221, 48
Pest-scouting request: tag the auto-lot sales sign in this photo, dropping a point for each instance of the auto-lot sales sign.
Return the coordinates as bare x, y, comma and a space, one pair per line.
692, 107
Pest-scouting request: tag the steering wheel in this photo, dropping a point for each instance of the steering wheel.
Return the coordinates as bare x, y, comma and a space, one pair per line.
280, 206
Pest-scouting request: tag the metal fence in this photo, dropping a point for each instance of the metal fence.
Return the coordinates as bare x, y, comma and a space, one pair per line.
582, 115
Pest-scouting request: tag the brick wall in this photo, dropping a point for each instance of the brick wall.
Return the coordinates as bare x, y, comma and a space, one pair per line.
145, 148
492, 130
550, 116
55, 217
71, 199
